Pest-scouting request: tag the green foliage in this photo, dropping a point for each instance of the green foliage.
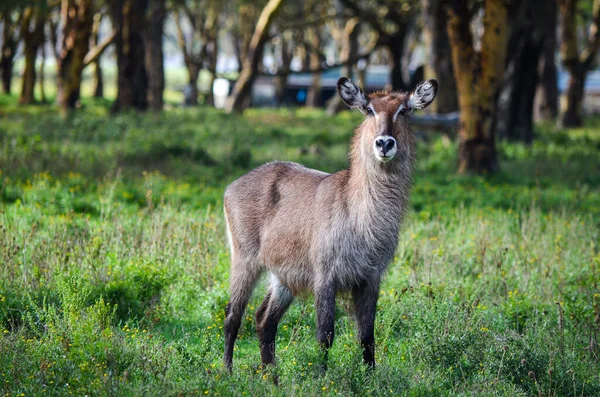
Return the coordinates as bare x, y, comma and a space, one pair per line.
114, 263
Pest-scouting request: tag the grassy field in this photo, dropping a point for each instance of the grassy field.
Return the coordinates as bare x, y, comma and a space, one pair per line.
114, 265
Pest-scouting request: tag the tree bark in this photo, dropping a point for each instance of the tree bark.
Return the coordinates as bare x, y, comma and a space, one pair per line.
42, 74
478, 76
201, 49
243, 86
287, 53
313, 96
8, 50
97, 72
192, 96
395, 45
77, 21
193, 62
399, 18
247, 14
154, 61
348, 37
515, 104
212, 53
32, 32
132, 80
439, 64
575, 93
576, 64
546, 102
212, 47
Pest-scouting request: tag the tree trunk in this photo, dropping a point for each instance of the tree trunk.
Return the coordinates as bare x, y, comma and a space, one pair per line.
287, 53
191, 92
395, 45
313, 96
575, 93
132, 79
97, 72
247, 13
546, 102
77, 20
478, 77
8, 51
155, 17
33, 17
243, 86
193, 63
515, 104
577, 65
42, 74
348, 50
280, 83
439, 65
211, 48
212, 68
29, 77
394, 15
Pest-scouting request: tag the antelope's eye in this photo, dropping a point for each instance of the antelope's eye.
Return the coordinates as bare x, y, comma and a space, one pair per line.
402, 111
369, 111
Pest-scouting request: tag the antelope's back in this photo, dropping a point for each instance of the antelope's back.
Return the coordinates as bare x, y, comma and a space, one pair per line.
269, 211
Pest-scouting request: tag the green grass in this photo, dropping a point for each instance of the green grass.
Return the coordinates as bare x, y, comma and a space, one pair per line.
114, 266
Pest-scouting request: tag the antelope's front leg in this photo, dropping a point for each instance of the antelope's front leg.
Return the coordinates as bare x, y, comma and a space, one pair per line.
365, 298
325, 306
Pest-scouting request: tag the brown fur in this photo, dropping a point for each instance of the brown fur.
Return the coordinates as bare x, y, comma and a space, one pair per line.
320, 232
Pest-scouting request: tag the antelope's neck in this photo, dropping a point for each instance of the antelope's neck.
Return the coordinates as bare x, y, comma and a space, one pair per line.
379, 192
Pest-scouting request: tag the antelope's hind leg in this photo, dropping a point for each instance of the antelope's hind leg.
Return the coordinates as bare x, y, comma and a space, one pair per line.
268, 315
242, 281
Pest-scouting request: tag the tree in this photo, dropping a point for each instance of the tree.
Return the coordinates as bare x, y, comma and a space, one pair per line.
128, 18
478, 76
313, 37
10, 42
242, 89
77, 21
97, 72
528, 34
392, 21
546, 102
244, 15
283, 50
577, 64
32, 33
42, 73
439, 57
154, 60
346, 36
200, 47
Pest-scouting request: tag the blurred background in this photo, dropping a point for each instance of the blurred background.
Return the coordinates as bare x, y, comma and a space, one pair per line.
501, 63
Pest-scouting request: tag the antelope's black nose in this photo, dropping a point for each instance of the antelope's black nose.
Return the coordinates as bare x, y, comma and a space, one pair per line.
385, 144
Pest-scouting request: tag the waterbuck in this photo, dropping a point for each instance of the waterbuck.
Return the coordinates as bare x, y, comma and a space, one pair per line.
324, 233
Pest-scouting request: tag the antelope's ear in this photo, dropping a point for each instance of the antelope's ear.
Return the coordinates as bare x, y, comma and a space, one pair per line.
351, 94
423, 95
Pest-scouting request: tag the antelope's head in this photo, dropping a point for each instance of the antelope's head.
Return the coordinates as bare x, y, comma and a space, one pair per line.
385, 127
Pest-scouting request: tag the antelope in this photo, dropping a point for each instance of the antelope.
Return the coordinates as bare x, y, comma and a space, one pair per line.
324, 233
